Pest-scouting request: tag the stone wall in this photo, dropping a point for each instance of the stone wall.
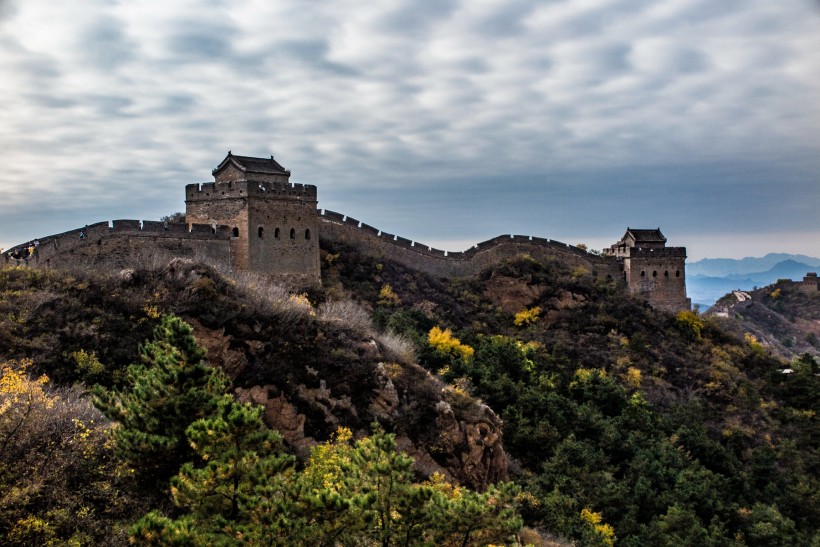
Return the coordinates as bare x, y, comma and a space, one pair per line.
655, 274
335, 227
124, 242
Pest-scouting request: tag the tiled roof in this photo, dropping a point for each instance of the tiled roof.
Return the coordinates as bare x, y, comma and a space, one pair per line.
648, 236
253, 165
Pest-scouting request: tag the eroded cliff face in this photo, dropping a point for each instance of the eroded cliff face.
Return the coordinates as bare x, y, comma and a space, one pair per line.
460, 439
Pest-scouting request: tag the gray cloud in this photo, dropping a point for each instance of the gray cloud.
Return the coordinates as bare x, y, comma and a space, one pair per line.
455, 117
416, 18
105, 45
198, 45
7, 9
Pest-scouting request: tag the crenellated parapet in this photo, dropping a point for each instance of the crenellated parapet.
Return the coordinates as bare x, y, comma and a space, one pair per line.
241, 189
96, 240
341, 228
667, 252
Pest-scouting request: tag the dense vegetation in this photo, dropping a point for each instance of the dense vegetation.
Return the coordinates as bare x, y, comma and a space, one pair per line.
782, 316
207, 465
625, 422
623, 425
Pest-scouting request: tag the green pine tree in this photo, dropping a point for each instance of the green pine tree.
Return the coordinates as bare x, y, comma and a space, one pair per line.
237, 494
169, 390
243, 467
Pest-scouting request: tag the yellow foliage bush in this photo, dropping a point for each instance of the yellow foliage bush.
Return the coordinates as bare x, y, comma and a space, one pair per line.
633, 377
87, 363
19, 393
445, 342
301, 301
604, 532
527, 316
586, 375
151, 311
690, 322
326, 467
387, 297
756, 346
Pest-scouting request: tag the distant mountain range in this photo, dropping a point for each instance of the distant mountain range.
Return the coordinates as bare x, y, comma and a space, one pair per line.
709, 279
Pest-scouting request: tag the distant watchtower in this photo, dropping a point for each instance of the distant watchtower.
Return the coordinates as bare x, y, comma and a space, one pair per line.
651, 269
810, 283
273, 223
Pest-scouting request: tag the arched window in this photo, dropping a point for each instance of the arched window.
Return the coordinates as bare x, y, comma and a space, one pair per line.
654, 273
307, 233
293, 233
235, 232
677, 273
260, 232
276, 233
666, 273
643, 274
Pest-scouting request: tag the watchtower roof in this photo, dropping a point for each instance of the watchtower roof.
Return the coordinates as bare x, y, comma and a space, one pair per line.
247, 164
644, 236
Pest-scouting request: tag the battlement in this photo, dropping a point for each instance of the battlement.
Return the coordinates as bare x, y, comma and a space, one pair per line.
665, 252
252, 218
467, 255
236, 189
139, 228
361, 227
110, 242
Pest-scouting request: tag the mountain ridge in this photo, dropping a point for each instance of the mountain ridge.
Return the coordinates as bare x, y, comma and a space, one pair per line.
721, 267
707, 289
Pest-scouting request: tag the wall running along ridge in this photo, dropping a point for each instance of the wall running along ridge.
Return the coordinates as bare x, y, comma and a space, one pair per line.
336, 227
118, 245
252, 218
126, 242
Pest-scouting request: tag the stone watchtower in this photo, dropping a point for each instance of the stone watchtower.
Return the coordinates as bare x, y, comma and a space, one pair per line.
274, 224
651, 269
810, 282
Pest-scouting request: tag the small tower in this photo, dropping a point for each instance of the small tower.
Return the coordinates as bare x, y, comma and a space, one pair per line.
274, 224
810, 283
651, 269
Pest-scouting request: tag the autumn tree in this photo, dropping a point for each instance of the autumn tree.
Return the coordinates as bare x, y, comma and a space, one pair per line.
59, 481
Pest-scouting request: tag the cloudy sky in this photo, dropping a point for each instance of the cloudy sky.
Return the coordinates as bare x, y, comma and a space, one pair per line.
445, 121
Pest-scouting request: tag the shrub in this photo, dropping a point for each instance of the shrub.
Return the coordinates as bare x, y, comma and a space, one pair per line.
527, 316
690, 324
397, 347
444, 342
346, 312
387, 297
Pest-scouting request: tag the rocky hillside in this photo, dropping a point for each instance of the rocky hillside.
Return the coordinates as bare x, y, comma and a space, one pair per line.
619, 423
783, 318
313, 368
646, 427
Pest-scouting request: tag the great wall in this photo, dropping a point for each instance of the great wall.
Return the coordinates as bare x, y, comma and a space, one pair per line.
252, 218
